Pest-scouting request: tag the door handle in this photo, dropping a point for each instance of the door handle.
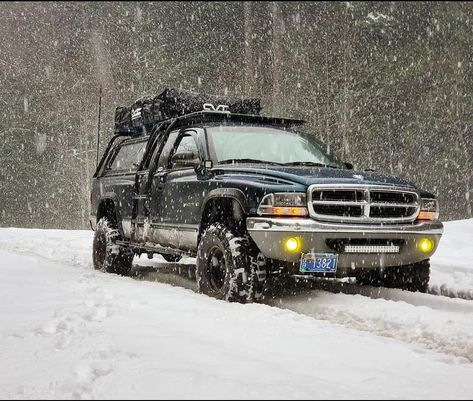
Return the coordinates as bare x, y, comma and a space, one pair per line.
160, 176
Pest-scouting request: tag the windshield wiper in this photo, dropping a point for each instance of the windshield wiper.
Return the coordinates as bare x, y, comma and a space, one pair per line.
231, 161
314, 164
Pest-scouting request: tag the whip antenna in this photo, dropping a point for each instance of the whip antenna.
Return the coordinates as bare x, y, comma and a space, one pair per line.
98, 125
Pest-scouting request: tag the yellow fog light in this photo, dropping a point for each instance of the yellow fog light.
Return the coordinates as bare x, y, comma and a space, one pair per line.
426, 245
293, 244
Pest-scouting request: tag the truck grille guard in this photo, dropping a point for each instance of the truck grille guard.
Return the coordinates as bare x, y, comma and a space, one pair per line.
363, 204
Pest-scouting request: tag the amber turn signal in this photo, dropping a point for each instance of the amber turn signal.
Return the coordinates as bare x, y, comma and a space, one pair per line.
428, 215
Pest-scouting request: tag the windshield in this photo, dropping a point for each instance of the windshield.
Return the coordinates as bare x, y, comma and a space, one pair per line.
271, 145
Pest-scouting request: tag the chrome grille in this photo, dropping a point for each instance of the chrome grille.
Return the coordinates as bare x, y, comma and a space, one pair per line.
362, 204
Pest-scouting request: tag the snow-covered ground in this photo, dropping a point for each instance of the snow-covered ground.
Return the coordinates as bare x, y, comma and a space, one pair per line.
67, 331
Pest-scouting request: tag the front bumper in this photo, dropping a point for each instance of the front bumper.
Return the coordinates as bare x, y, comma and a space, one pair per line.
270, 235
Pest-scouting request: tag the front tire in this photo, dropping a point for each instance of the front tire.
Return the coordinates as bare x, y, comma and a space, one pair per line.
228, 266
107, 255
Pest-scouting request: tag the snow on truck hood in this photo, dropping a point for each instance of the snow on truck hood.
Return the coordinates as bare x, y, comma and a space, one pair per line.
316, 175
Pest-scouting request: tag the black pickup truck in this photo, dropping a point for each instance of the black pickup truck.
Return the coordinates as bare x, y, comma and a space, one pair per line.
251, 197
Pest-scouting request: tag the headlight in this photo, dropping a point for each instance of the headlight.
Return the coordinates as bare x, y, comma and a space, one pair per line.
429, 209
284, 204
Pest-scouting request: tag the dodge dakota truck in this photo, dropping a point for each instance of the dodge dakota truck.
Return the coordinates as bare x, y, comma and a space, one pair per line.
251, 196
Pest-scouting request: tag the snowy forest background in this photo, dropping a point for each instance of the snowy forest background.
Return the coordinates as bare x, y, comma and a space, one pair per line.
388, 85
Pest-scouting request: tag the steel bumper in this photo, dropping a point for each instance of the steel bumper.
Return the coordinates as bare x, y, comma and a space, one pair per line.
270, 235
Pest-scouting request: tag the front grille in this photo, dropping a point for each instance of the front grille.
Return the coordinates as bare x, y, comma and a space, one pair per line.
362, 204
390, 211
392, 197
338, 210
337, 195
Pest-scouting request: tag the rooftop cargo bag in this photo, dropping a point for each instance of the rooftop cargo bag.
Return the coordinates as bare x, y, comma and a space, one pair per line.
176, 102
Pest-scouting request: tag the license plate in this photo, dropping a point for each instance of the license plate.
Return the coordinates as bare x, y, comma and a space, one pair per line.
319, 263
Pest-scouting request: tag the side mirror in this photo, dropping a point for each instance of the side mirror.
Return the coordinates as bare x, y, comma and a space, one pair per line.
203, 167
185, 159
348, 165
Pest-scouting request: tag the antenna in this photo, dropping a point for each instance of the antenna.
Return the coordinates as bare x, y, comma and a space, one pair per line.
98, 125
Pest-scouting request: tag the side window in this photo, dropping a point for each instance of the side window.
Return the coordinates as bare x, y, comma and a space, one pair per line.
187, 144
185, 153
128, 157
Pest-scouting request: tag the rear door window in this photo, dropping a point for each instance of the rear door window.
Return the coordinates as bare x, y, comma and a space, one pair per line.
128, 157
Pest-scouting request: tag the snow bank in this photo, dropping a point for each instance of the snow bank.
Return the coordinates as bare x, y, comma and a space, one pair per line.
452, 264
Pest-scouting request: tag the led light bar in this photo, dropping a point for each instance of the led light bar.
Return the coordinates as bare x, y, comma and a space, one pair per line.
371, 249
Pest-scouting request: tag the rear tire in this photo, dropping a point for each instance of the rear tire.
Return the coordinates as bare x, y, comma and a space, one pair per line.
414, 277
229, 266
107, 255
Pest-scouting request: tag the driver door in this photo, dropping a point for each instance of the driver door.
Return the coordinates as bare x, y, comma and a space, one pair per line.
177, 191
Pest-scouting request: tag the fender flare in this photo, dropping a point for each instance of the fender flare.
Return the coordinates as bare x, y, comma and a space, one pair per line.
231, 193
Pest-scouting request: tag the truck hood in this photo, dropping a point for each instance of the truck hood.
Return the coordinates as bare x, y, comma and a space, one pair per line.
310, 175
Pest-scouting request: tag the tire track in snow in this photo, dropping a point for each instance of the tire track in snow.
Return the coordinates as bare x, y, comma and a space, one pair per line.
432, 322
432, 299
451, 281
436, 329
445, 291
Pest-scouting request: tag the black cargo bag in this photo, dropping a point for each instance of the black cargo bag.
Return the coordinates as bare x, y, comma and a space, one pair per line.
122, 119
176, 102
146, 111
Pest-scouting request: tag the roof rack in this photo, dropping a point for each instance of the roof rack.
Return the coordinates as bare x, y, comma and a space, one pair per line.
206, 116
209, 116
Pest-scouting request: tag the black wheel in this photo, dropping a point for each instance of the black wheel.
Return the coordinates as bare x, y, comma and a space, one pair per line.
171, 258
228, 266
414, 277
107, 255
